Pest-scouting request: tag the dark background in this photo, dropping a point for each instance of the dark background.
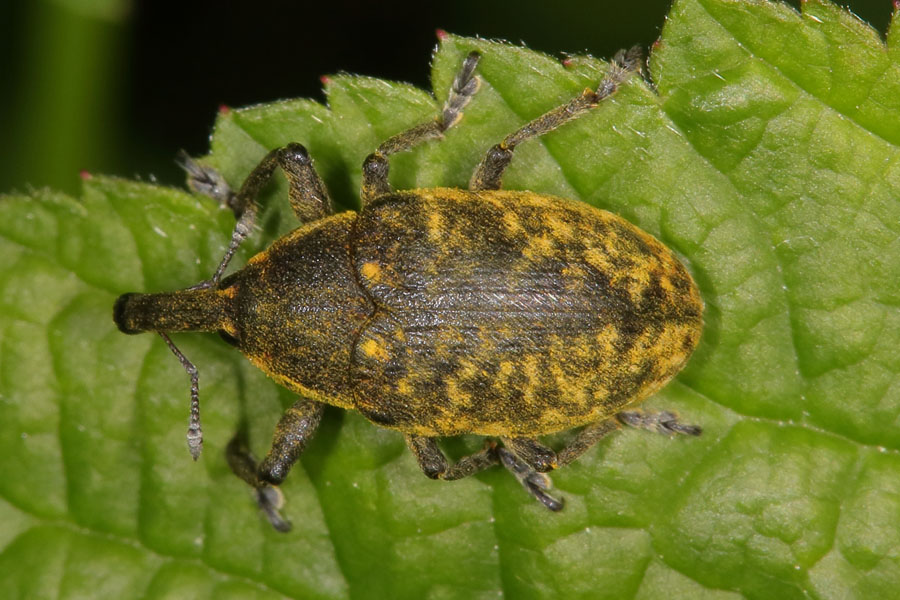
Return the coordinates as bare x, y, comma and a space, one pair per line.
118, 87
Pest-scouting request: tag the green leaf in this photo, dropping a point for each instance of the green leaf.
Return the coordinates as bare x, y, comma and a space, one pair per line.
767, 157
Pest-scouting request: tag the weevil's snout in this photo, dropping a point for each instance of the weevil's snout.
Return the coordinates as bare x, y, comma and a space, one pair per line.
121, 312
195, 309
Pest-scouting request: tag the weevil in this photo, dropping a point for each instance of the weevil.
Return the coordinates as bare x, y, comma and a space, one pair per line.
441, 311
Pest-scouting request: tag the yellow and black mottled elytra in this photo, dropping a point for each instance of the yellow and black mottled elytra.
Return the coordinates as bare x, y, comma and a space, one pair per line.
443, 311
506, 313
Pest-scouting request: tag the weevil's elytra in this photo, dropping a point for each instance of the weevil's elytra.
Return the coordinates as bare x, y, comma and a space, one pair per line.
481, 328
443, 311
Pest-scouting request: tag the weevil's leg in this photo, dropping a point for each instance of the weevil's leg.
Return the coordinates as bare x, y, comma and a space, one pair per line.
489, 172
194, 433
434, 464
534, 483
375, 167
541, 458
243, 464
586, 438
661, 422
664, 422
307, 194
296, 428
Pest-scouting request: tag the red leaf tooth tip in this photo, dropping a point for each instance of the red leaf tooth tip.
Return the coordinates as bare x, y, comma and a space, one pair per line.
567, 62
325, 79
224, 109
85, 175
656, 44
441, 34
896, 5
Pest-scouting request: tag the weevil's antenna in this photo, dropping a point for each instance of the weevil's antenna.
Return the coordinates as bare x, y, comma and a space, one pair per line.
194, 433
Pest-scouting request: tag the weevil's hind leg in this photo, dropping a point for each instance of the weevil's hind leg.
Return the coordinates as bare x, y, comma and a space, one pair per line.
376, 168
585, 439
663, 422
307, 194
489, 173
243, 464
434, 464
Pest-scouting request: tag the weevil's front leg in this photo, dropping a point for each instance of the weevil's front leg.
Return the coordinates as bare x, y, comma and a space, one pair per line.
243, 464
307, 194
376, 168
295, 429
489, 172
434, 464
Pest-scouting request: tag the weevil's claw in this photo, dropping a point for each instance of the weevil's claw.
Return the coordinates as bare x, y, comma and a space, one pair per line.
534, 483
270, 499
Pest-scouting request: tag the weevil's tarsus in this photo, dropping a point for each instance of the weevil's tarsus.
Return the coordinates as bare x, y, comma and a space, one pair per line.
663, 422
270, 500
194, 432
376, 167
536, 484
465, 85
489, 173
206, 180
242, 462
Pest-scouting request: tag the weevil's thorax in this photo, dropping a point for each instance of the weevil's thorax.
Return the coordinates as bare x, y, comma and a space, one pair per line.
296, 308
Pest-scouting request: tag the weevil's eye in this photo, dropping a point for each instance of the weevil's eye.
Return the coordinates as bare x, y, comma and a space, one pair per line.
229, 338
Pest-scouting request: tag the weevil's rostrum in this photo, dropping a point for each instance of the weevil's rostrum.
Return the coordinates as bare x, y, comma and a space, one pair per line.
443, 311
